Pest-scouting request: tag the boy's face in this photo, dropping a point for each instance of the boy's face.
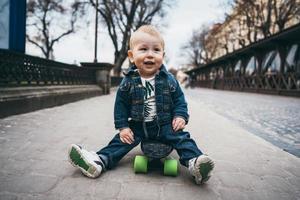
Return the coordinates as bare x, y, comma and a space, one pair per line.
147, 54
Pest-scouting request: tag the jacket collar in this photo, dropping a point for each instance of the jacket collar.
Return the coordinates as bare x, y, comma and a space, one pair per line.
133, 70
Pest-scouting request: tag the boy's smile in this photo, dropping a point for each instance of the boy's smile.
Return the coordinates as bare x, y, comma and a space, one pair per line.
147, 54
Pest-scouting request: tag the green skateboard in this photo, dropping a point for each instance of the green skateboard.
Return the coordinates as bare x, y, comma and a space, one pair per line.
155, 155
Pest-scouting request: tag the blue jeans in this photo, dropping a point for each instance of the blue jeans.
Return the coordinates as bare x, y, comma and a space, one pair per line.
180, 141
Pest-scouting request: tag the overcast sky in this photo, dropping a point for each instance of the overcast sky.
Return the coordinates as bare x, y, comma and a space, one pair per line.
181, 20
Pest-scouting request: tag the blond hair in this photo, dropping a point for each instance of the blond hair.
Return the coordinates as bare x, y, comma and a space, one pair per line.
149, 29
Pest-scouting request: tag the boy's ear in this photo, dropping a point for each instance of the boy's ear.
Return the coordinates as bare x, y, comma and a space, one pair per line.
130, 55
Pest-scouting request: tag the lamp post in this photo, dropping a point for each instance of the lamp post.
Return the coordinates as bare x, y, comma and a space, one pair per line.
102, 70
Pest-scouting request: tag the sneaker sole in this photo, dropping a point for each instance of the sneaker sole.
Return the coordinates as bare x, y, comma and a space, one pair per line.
205, 168
78, 161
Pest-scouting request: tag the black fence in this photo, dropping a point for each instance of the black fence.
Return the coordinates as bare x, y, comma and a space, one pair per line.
270, 66
17, 69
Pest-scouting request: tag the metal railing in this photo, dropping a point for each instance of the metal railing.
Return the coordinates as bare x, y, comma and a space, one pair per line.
17, 69
270, 65
288, 83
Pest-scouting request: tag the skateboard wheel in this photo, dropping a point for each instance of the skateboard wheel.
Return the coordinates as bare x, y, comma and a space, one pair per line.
140, 164
170, 167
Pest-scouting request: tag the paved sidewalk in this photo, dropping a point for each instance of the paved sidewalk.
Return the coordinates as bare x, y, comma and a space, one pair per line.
34, 165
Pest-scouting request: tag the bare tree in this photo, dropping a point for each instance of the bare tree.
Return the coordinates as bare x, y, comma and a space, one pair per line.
257, 15
284, 11
213, 42
196, 47
48, 21
264, 15
248, 21
124, 16
246, 12
242, 41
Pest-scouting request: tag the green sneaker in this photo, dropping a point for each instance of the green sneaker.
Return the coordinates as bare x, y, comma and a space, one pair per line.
88, 162
200, 168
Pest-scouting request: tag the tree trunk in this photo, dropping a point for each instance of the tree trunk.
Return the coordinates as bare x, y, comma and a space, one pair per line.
281, 25
119, 60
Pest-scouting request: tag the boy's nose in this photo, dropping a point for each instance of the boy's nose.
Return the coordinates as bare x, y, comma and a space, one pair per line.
150, 53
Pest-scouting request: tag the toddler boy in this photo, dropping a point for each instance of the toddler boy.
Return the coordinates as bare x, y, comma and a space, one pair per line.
149, 105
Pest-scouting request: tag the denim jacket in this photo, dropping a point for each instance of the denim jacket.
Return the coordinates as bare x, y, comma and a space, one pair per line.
129, 103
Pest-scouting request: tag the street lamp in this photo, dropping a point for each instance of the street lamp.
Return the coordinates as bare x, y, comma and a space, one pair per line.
102, 70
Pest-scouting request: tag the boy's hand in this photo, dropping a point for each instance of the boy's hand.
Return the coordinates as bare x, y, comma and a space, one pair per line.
126, 136
178, 123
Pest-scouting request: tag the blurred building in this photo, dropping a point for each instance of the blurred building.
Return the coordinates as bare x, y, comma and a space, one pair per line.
239, 30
